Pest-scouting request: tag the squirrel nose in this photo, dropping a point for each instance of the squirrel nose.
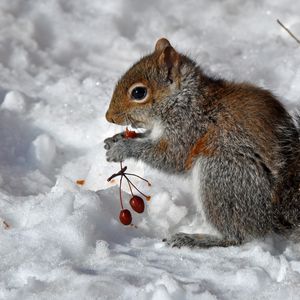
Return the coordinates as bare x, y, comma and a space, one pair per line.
109, 118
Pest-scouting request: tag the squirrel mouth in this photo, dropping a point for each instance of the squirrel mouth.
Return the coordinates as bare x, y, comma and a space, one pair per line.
134, 123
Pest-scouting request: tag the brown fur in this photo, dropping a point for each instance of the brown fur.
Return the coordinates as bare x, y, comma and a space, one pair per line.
204, 146
162, 146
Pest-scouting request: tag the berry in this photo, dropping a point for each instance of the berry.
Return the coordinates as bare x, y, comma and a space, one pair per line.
125, 217
137, 204
130, 134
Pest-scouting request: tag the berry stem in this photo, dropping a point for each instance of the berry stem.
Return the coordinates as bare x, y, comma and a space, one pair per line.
129, 186
120, 190
135, 186
131, 174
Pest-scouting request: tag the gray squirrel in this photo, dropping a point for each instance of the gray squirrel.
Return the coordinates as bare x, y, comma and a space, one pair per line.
238, 140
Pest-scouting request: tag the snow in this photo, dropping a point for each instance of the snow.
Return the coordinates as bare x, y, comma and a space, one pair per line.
59, 61
14, 101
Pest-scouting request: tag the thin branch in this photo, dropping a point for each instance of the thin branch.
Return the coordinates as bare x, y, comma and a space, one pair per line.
121, 172
288, 31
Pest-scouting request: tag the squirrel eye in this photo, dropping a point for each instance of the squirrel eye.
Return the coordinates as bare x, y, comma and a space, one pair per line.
139, 93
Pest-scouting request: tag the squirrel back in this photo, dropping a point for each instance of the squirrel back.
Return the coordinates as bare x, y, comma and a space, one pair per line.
242, 137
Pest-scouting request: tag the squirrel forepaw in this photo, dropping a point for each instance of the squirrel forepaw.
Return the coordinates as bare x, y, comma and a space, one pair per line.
110, 141
117, 151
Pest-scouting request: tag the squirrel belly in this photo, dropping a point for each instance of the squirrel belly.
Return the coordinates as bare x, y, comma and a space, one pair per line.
238, 138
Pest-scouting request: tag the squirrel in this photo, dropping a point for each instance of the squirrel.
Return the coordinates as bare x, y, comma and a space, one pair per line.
237, 140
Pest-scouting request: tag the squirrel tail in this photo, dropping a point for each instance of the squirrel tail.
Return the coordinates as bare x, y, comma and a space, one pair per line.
287, 210
296, 119
295, 235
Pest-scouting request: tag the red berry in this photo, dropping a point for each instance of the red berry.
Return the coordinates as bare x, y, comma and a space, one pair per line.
137, 204
125, 217
130, 134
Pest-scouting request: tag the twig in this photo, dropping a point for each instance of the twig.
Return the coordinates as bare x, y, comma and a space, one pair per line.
289, 32
121, 172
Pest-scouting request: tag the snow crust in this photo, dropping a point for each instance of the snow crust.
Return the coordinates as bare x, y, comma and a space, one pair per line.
59, 61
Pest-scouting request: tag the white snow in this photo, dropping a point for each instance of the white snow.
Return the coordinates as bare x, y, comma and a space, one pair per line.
44, 151
59, 61
14, 101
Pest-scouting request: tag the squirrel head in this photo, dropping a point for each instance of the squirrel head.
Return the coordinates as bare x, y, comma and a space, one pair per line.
151, 80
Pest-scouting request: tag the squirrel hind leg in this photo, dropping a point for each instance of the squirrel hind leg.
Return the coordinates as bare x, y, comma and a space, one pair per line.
182, 239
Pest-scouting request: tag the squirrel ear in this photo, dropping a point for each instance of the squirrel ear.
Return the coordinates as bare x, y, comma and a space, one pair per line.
162, 44
170, 58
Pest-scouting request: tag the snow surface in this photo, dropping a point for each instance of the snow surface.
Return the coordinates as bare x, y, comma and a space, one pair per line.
59, 61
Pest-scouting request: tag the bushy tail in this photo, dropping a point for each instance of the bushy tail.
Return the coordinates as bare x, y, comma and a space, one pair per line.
287, 209
296, 119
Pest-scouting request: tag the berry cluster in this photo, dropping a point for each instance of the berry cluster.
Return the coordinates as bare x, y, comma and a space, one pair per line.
136, 202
